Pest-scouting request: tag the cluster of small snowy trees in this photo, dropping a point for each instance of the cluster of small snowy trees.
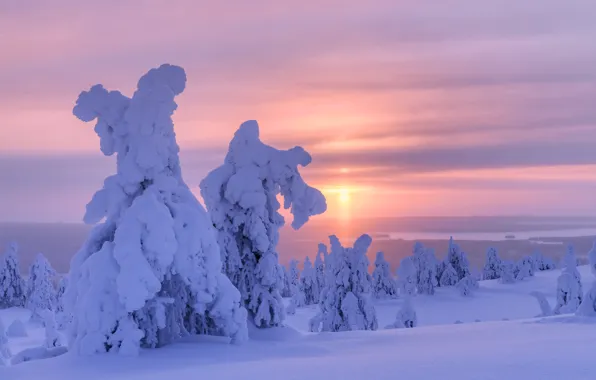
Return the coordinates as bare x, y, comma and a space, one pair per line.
38, 293
507, 271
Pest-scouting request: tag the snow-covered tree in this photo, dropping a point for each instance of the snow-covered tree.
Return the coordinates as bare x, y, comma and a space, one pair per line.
492, 266
241, 196
12, 285
569, 285
345, 302
41, 293
63, 318
545, 309
406, 316
294, 277
5, 352
384, 286
320, 273
52, 339
427, 272
286, 293
507, 272
568, 294
467, 285
308, 283
458, 260
524, 268
150, 271
449, 276
542, 262
406, 276
588, 306
440, 267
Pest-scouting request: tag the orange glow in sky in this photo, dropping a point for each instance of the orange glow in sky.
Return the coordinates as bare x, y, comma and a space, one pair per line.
475, 112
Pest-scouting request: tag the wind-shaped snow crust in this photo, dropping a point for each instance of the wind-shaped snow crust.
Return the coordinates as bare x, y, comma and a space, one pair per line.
241, 196
151, 271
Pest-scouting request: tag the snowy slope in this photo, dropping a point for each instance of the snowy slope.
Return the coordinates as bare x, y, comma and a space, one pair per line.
524, 348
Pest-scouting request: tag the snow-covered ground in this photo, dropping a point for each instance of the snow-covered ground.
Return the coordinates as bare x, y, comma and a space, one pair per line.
521, 348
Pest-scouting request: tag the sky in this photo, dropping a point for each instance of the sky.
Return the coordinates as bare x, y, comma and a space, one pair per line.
451, 107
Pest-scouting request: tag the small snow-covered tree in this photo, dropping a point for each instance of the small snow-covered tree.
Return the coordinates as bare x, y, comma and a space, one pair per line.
568, 296
458, 260
41, 293
542, 262
52, 339
449, 276
507, 272
524, 268
569, 285
384, 285
286, 293
406, 316
321, 276
308, 283
5, 352
406, 277
427, 272
345, 302
466, 286
12, 285
150, 271
492, 266
241, 196
441, 265
294, 277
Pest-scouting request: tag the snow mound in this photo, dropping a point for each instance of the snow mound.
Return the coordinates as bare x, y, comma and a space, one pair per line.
37, 353
16, 329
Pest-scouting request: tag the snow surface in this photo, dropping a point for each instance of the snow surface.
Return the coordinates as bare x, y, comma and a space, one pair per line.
523, 348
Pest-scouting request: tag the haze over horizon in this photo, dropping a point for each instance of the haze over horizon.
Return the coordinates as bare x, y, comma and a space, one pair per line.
432, 109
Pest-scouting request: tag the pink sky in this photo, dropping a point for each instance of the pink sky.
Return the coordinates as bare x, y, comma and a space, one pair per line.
457, 107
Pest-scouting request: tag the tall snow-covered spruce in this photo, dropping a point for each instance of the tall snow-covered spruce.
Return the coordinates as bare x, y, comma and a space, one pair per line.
308, 284
241, 196
12, 285
345, 302
492, 267
150, 273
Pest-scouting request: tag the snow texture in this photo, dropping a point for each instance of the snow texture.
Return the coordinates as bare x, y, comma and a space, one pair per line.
41, 294
150, 272
384, 285
5, 353
406, 277
16, 329
38, 353
346, 301
241, 196
12, 285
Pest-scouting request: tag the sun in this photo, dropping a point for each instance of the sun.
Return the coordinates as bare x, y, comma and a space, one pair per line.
343, 195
